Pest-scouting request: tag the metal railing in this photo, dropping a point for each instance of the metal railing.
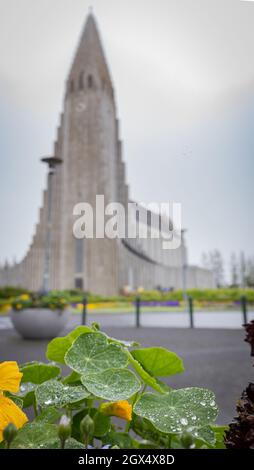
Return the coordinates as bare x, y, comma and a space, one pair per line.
191, 311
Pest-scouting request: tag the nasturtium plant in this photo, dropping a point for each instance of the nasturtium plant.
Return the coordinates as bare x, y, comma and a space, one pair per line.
26, 393
179, 410
111, 393
92, 353
42, 436
122, 440
150, 381
55, 393
159, 362
112, 384
58, 347
49, 415
37, 372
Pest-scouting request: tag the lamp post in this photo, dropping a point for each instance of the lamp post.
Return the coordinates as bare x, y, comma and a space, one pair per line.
52, 163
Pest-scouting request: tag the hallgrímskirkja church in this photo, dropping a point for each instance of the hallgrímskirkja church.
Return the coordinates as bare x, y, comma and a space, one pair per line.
87, 161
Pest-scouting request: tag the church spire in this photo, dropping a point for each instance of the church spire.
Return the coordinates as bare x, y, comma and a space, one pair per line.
89, 60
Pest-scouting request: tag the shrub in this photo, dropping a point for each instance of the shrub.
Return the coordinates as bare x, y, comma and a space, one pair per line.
53, 302
8, 292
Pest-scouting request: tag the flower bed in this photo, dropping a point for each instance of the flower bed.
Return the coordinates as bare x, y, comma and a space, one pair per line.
208, 299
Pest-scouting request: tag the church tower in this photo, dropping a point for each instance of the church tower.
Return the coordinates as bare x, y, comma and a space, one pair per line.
89, 152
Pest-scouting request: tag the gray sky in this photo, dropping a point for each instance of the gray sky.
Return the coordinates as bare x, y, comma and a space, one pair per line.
183, 72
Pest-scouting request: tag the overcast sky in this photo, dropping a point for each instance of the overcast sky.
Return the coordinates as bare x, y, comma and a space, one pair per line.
183, 72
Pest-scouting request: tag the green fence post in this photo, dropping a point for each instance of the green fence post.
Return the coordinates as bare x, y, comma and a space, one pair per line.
190, 299
84, 312
138, 311
244, 309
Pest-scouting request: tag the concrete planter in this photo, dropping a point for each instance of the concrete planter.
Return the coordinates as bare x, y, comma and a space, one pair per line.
39, 323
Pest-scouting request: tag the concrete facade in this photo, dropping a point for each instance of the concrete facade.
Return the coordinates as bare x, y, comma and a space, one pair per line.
89, 146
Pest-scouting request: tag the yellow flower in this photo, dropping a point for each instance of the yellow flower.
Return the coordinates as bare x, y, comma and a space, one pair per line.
5, 308
91, 306
79, 307
18, 306
24, 297
10, 377
121, 409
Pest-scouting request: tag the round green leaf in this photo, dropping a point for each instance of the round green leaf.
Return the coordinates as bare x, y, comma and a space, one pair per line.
91, 353
102, 424
41, 436
112, 384
54, 393
120, 439
35, 436
26, 393
72, 378
219, 432
146, 377
205, 434
49, 415
79, 330
37, 372
145, 429
159, 362
69, 444
179, 410
58, 347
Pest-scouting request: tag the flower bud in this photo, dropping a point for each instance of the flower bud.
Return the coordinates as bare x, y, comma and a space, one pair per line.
121, 409
87, 426
187, 440
64, 428
9, 433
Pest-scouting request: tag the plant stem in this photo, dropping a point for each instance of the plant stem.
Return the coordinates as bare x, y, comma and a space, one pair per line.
136, 396
127, 427
68, 412
35, 409
89, 405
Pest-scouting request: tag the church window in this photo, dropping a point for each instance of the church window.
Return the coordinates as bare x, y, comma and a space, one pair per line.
79, 283
81, 81
90, 81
